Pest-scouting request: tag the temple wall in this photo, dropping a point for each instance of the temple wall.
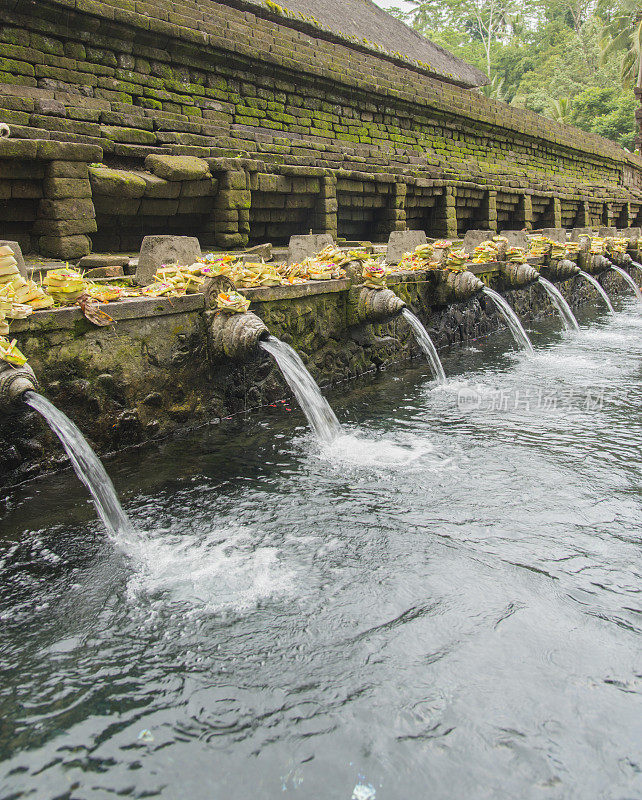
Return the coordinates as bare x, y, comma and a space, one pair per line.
302, 131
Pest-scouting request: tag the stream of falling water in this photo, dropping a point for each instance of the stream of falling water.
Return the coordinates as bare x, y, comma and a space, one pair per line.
629, 280
593, 281
515, 326
426, 344
316, 408
87, 466
560, 304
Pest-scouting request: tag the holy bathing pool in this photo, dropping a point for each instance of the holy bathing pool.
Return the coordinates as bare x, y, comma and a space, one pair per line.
443, 603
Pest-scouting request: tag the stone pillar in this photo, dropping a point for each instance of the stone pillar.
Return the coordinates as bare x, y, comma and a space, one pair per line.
488, 211
397, 207
393, 216
327, 206
66, 214
525, 210
556, 213
445, 214
232, 210
583, 216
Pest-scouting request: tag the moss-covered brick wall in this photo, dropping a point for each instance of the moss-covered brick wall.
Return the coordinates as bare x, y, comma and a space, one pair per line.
240, 80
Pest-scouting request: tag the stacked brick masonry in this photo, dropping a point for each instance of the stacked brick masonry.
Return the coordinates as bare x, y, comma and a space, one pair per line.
218, 81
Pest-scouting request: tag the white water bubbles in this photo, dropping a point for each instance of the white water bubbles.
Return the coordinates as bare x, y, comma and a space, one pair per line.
225, 569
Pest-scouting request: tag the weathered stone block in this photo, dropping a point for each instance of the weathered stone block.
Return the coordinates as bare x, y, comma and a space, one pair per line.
26, 190
204, 188
64, 246
555, 234
104, 261
67, 151
177, 168
118, 206
103, 272
127, 135
194, 205
267, 183
299, 201
400, 242
576, 233
129, 120
475, 237
231, 240
116, 182
67, 187
516, 239
72, 208
156, 187
302, 247
158, 250
22, 170
48, 106
231, 199
234, 180
64, 227
259, 251
67, 169
18, 148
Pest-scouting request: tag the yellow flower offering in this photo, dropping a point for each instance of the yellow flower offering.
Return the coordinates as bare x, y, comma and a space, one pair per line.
64, 285
10, 353
374, 274
104, 293
8, 265
232, 302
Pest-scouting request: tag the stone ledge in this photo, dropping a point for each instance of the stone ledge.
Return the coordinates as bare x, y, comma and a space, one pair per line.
145, 307
48, 150
264, 294
135, 308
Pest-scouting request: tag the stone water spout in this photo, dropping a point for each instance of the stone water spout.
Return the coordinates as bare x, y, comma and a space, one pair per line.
595, 264
518, 275
367, 305
627, 260
561, 270
457, 287
235, 336
14, 382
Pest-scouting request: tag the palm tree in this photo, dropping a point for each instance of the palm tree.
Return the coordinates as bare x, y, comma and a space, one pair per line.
495, 89
561, 110
623, 34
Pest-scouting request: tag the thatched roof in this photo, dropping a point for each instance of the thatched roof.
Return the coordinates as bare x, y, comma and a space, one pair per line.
364, 20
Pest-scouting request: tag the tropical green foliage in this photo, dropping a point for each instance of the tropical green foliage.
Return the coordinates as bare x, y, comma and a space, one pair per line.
573, 60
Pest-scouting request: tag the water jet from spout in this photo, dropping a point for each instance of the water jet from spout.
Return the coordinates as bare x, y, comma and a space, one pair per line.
514, 325
427, 345
86, 465
570, 323
629, 280
316, 408
594, 282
